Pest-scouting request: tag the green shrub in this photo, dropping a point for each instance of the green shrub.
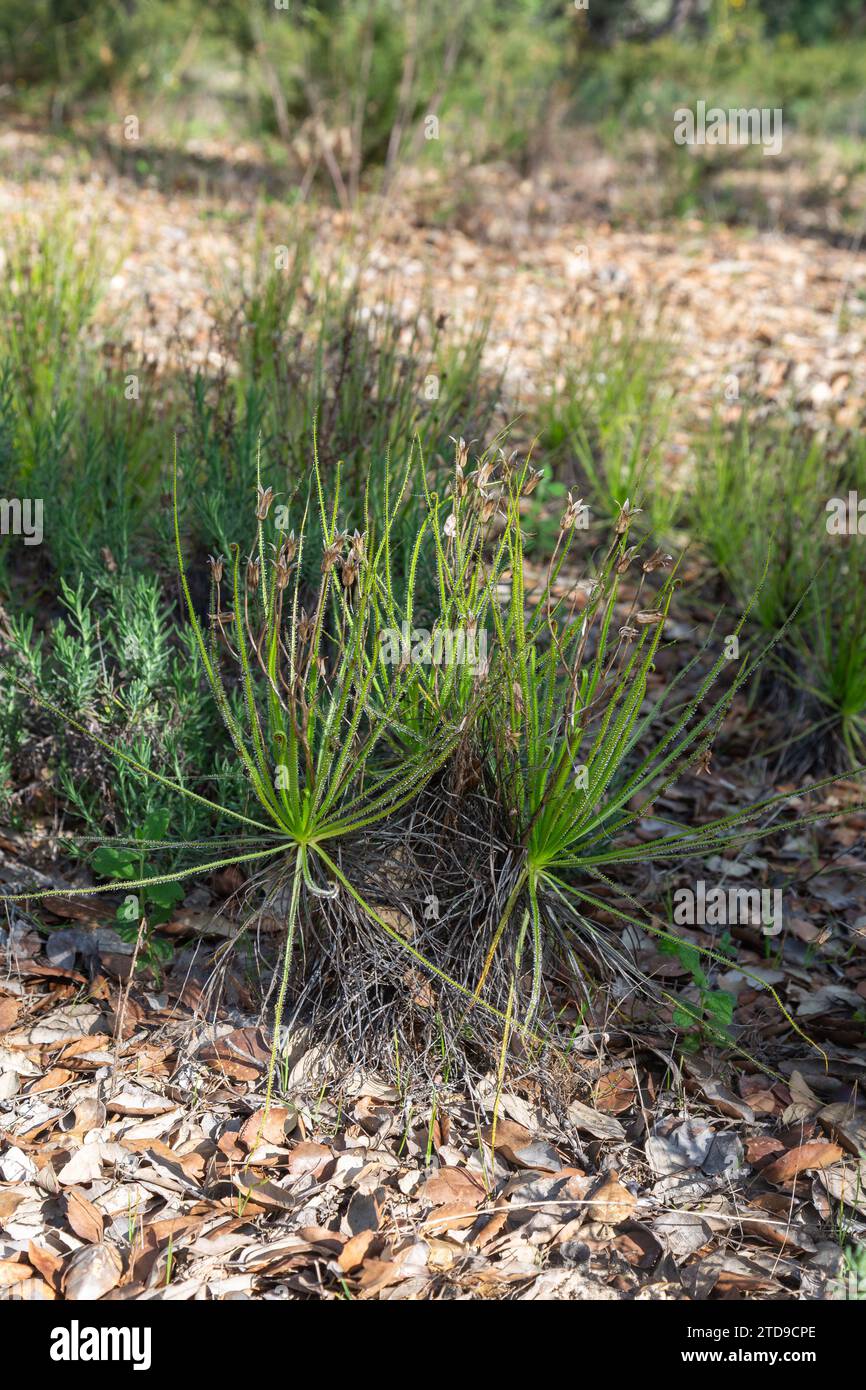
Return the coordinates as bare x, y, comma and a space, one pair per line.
117, 665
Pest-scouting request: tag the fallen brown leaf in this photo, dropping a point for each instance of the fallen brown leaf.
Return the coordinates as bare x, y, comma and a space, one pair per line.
615, 1091
11, 1272
521, 1148
51, 1081
85, 1220
308, 1157
32, 1291
271, 1128
9, 1011
719, 1095
846, 1184
800, 1160
610, 1203
452, 1184
138, 1100
264, 1194
762, 1148
593, 1122
93, 1271
47, 1263
357, 1248
847, 1126
8, 1202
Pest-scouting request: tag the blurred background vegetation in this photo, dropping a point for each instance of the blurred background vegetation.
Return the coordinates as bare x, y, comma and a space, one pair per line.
361, 76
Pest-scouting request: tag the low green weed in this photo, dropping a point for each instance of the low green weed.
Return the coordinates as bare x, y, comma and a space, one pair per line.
710, 1020
154, 903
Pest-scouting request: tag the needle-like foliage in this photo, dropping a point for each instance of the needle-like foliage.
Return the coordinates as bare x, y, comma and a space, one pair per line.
503, 784
581, 736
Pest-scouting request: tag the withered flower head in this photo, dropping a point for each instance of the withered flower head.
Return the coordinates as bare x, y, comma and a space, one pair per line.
629, 633
649, 618
289, 547
253, 575
626, 512
531, 483
626, 559
703, 767
450, 528
657, 561
569, 517
349, 573
305, 626
483, 474
331, 555
358, 547
216, 563
461, 452
506, 464
264, 498
281, 571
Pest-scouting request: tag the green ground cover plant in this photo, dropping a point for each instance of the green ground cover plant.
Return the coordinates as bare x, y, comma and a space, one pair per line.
750, 489
345, 87
120, 667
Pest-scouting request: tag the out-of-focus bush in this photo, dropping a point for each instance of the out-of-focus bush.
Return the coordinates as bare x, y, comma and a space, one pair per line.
370, 73
352, 85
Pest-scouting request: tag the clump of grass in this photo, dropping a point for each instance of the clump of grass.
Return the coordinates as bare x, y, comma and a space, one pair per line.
315, 734
49, 291
606, 423
71, 434
771, 486
310, 354
575, 750
299, 351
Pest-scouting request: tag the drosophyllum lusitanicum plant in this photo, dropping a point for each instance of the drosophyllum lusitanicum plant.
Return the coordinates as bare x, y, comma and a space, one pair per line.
544, 754
328, 731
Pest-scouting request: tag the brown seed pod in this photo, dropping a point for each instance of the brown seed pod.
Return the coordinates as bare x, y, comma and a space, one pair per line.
569, 517
264, 498
657, 561
625, 561
626, 513
531, 483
